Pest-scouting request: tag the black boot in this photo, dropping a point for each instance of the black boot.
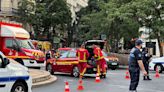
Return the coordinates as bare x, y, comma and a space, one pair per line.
148, 78
144, 78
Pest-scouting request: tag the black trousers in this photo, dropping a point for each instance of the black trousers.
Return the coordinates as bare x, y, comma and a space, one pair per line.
146, 65
134, 74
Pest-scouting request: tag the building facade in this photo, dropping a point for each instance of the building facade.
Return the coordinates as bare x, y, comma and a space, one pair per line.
8, 8
152, 44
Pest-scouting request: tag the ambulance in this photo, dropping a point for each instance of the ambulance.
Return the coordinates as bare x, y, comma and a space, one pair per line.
15, 43
13, 76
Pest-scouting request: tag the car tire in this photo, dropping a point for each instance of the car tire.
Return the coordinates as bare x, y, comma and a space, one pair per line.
160, 68
103, 76
75, 72
19, 87
19, 61
113, 68
49, 69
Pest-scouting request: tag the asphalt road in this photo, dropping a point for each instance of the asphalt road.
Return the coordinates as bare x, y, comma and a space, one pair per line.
115, 82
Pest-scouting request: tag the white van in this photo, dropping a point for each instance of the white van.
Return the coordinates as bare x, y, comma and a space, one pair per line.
13, 76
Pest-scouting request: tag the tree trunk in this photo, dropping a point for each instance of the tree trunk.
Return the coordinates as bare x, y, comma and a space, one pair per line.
160, 47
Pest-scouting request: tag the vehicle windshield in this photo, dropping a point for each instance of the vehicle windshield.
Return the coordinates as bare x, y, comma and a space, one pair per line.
63, 51
64, 55
104, 54
25, 44
68, 54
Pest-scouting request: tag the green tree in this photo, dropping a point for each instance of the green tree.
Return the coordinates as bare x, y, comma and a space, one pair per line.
148, 13
47, 16
108, 19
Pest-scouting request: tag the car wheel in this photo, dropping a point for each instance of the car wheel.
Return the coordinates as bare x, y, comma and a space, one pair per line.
49, 68
159, 67
103, 76
19, 87
19, 61
113, 68
75, 72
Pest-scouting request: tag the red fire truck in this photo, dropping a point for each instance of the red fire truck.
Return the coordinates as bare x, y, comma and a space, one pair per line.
15, 44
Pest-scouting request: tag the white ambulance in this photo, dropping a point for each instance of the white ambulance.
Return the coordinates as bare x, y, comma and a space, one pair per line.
13, 76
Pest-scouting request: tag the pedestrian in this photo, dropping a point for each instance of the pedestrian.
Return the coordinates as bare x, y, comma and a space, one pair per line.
83, 55
100, 60
48, 55
135, 64
145, 58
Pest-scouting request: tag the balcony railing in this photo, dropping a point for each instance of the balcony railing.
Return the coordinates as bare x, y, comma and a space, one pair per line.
8, 11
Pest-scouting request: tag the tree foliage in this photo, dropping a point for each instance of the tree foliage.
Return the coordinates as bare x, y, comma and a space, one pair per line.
47, 17
122, 18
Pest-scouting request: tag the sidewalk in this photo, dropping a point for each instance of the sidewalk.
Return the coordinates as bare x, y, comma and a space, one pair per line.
40, 77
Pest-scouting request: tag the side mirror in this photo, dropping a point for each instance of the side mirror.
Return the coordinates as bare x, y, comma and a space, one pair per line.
5, 62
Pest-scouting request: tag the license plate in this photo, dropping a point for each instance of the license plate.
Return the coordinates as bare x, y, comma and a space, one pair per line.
114, 63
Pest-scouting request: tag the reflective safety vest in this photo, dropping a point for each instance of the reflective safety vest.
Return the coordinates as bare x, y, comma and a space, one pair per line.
98, 53
82, 54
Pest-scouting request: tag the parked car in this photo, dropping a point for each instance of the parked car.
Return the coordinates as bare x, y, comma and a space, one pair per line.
68, 63
14, 77
63, 50
157, 63
112, 61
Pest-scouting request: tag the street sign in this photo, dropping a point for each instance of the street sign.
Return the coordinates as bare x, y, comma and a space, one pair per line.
103, 36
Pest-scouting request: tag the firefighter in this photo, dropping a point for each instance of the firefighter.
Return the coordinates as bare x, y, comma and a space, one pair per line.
83, 55
100, 61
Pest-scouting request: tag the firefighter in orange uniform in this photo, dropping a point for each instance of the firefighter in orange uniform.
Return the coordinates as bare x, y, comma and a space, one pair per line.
100, 61
83, 55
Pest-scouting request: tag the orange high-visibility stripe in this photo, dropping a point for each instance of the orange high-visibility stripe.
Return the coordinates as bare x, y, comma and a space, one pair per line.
14, 57
84, 56
83, 72
83, 60
78, 54
66, 63
98, 69
98, 53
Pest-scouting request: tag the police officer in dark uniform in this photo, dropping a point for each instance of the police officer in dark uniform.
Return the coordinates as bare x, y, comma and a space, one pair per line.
135, 64
145, 58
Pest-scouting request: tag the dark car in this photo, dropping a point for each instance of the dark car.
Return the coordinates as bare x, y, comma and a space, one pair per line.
112, 61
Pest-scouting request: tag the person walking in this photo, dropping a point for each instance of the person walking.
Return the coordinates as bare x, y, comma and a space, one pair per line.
83, 55
135, 64
145, 58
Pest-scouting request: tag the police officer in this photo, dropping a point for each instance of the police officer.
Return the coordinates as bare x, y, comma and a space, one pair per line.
145, 58
135, 64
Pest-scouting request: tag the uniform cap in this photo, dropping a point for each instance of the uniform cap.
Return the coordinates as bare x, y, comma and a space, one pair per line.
139, 42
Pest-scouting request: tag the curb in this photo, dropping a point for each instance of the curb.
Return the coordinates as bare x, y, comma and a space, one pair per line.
49, 81
41, 77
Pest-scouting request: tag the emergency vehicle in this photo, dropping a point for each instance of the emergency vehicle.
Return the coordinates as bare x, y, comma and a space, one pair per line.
157, 63
68, 62
15, 44
13, 76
